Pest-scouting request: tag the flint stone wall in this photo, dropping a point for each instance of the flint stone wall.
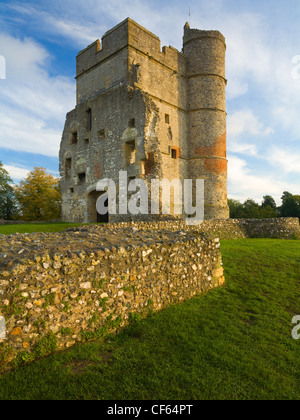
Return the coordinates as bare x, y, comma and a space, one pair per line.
60, 289
278, 228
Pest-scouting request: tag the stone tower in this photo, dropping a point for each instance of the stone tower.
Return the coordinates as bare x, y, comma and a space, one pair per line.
152, 112
205, 53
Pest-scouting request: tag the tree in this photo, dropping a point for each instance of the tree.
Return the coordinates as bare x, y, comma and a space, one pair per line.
39, 196
268, 209
236, 209
290, 205
268, 200
286, 195
268, 212
7, 195
251, 209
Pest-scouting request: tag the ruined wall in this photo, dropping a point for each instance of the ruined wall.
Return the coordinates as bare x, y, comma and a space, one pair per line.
279, 228
101, 151
119, 81
165, 107
60, 289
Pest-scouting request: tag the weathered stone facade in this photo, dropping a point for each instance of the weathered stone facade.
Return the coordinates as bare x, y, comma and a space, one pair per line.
155, 113
60, 289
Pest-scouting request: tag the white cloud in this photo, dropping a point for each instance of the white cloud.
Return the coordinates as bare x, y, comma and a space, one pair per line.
244, 122
287, 160
243, 126
248, 58
78, 21
73, 30
33, 104
15, 172
244, 184
21, 132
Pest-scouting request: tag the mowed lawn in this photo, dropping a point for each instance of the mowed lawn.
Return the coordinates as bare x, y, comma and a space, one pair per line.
36, 227
234, 342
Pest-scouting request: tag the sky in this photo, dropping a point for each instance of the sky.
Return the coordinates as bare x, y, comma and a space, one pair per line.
39, 41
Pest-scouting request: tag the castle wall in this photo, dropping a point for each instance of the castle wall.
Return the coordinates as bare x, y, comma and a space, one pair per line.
99, 153
101, 65
104, 76
55, 299
82, 283
205, 51
165, 107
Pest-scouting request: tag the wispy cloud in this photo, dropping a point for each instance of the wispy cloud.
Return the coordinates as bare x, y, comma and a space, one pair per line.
244, 183
287, 160
33, 104
16, 173
243, 126
244, 122
44, 20
21, 132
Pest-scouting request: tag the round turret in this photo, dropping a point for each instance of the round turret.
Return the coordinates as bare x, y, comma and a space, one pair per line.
205, 52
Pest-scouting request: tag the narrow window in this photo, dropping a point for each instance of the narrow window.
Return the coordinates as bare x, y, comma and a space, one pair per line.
81, 178
86, 141
130, 151
71, 190
173, 153
167, 118
68, 167
89, 119
131, 123
74, 138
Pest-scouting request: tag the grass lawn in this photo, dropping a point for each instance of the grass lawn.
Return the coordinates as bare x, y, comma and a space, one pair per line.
36, 227
231, 343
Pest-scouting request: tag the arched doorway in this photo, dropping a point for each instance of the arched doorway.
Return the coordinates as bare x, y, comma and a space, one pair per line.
93, 215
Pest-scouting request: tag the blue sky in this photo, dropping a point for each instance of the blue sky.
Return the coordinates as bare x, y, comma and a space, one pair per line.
39, 41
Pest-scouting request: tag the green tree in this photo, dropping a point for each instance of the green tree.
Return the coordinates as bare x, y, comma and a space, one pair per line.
251, 209
268, 212
236, 209
7, 195
290, 205
268, 200
39, 196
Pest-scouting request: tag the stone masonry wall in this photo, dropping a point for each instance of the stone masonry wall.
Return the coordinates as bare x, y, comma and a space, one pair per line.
59, 289
278, 228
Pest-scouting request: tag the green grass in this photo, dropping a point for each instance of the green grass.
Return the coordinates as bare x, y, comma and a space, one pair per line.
36, 227
231, 343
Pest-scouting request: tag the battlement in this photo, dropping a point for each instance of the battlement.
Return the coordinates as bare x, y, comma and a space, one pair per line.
128, 34
191, 34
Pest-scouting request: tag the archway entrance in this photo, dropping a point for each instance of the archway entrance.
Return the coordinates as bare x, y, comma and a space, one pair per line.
93, 215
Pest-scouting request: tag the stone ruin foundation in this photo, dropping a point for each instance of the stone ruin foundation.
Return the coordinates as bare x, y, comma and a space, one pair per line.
59, 289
